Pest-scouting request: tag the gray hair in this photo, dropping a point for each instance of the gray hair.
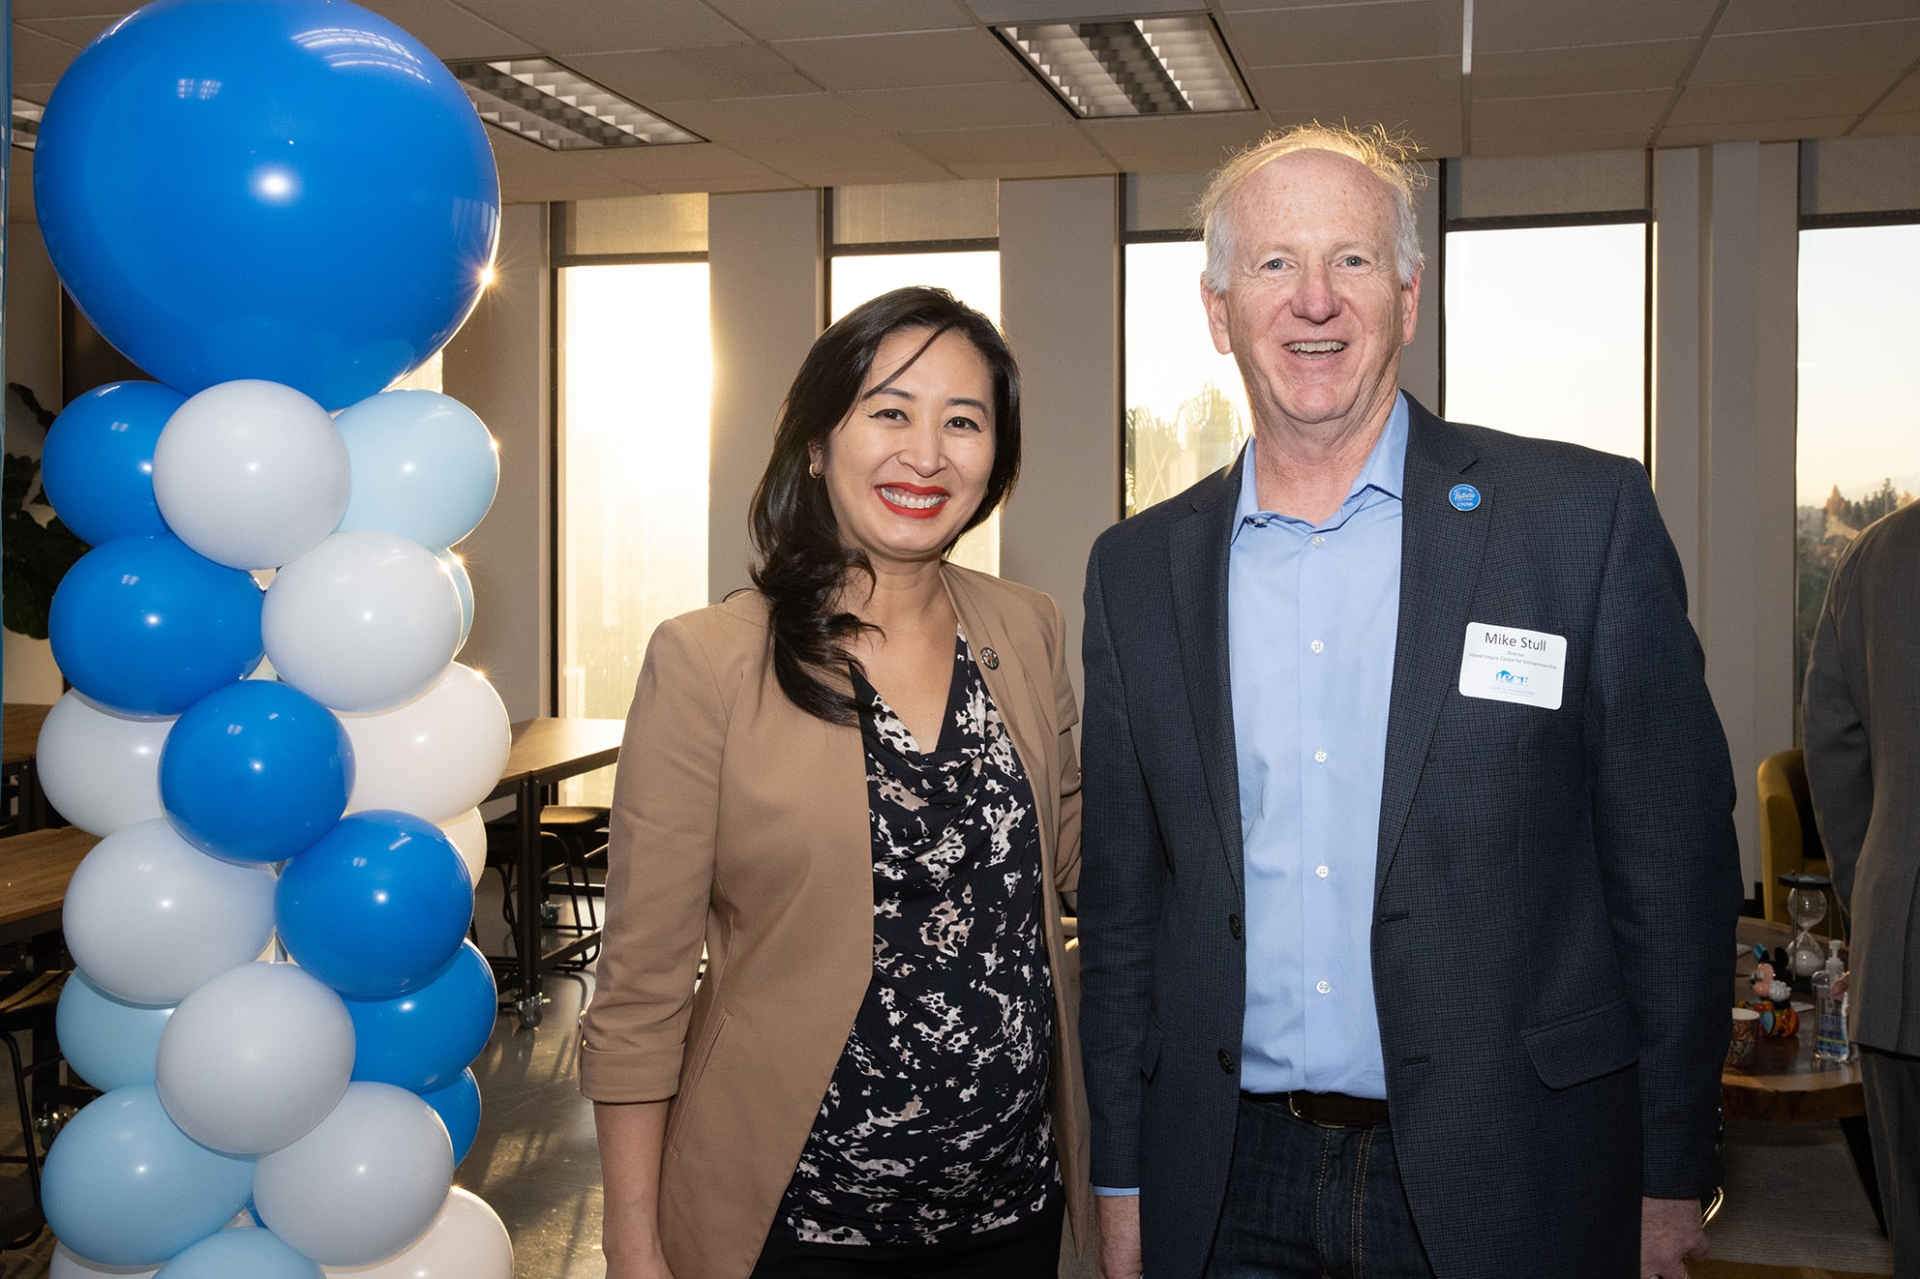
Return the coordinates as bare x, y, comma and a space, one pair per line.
1389, 158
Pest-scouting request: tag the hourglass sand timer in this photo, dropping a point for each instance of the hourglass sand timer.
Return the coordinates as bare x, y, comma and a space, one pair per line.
1806, 906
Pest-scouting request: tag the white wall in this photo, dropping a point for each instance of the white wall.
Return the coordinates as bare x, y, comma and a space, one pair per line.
499, 366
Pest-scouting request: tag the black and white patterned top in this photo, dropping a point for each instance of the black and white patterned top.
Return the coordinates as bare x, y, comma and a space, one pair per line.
936, 1124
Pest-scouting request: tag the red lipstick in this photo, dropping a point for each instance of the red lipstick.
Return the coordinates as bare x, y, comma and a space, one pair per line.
915, 490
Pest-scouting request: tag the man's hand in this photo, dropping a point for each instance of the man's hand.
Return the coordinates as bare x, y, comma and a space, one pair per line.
1670, 1232
1119, 1220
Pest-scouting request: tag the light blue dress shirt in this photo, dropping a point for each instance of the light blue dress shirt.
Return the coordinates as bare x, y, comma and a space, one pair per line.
1312, 615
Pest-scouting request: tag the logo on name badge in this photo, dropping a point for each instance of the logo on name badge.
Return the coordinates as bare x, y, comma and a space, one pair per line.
1464, 497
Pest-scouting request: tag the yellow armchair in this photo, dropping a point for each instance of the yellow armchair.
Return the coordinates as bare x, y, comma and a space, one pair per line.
1789, 840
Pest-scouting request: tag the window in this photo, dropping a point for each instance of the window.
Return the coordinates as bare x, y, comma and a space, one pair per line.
1857, 455
940, 234
1186, 408
634, 382
1544, 299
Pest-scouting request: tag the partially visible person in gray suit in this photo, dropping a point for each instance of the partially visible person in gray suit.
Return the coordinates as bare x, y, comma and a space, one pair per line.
1863, 766
1409, 880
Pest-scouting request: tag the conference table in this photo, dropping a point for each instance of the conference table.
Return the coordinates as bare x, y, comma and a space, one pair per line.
545, 751
19, 744
35, 869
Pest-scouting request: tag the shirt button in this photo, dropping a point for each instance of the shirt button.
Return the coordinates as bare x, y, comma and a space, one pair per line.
1318, 540
1325, 987
1319, 757
1226, 1061
1317, 646
1321, 871
1235, 927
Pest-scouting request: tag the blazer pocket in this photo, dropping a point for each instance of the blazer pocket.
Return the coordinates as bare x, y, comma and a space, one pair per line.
1150, 1049
682, 1111
1582, 1048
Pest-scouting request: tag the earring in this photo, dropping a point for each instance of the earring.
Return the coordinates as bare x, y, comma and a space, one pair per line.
813, 469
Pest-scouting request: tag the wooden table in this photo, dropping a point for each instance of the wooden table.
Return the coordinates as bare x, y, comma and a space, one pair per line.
545, 751
1786, 1083
19, 742
35, 869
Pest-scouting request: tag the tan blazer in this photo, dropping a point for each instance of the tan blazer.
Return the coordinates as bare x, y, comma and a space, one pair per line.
740, 822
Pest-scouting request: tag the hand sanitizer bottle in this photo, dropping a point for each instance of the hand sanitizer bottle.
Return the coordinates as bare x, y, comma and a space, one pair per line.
1830, 996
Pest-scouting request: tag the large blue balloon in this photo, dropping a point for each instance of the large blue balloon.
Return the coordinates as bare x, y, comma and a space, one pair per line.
255, 772
146, 626
377, 907
423, 1039
296, 191
98, 461
122, 1186
458, 1105
241, 1254
107, 1041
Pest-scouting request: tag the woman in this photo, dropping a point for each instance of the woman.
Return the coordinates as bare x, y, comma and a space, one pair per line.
856, 786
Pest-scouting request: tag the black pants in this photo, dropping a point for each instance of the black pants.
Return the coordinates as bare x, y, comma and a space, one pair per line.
1892, 1083
1313, 1203
1030, 1250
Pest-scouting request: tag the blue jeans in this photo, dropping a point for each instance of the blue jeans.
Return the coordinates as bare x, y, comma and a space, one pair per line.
1313, 1202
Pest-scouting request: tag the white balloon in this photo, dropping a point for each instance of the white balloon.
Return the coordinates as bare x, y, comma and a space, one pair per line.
100, 769
435, 757
256, 1057
469, 835
251, 474
68, 1264
364, 1184
363, 622
466, 1241
149, 917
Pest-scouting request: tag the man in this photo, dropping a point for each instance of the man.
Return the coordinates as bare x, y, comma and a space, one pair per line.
1863, 767
1409, 879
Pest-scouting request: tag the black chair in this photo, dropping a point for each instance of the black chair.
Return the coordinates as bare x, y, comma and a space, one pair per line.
28, 1001
573, 845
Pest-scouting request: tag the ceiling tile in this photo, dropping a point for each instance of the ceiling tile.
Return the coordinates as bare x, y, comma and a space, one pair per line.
1015, 169
798, 115
724, 71
1905, 96
1530, 24
38, 58
1889, 124
588, 26
826, 175
1839, 52
1556, 143
1344, 33
1283, 89
33, 92
1790, 15
449, 30
913, 60
1184, 144
985, 146
803, 19
1002, 104
1594, 68
1634, 112
863, 153
76, 31
24, 9
1772, 101
1755, 131
653, 166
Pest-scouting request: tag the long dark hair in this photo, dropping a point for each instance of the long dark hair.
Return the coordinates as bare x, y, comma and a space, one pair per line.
801, 562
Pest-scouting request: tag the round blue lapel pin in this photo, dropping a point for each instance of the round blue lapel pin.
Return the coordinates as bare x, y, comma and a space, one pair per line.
1464, 497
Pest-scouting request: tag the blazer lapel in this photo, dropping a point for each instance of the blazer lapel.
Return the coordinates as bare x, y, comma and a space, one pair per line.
1440, 553
1015, 692
1197, 550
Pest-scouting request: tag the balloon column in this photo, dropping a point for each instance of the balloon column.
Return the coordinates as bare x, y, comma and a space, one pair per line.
276, 208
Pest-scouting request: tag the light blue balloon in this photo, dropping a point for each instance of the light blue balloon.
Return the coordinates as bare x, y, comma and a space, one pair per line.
123, 1187
108, 1042
244, 1253
423, 466
463, 586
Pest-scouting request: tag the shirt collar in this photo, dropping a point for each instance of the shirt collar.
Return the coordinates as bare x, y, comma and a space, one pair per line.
1385, 468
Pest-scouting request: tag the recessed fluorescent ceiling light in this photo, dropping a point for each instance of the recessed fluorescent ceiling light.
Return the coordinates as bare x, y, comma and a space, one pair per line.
1132, 66
541, 100
26, 123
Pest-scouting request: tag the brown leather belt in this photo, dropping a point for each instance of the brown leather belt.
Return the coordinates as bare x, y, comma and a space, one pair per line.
1327, 1109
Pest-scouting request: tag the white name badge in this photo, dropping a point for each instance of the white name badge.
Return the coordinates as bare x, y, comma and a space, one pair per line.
1507, 664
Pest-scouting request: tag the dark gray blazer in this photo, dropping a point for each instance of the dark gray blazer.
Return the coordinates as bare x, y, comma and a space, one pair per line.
1555, 895
1863, 766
